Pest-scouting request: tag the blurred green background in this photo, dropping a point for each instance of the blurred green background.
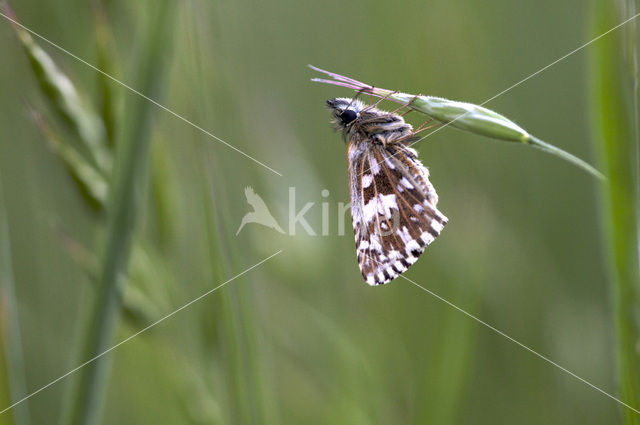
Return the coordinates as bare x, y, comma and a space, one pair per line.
302, 338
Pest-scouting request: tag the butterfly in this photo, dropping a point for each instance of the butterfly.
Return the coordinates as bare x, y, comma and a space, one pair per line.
393, 203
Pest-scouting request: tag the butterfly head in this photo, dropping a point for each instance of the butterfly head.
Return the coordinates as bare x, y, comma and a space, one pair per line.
345, 111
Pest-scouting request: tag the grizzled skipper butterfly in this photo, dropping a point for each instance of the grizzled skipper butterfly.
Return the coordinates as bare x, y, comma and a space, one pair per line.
393, 204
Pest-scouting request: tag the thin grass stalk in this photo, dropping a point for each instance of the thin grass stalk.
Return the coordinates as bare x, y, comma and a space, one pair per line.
239, 304
613, 136
12, 372
247, 399
122, 207
451, 359
449, 379
106, 57
462, 115
219, 268
237, 410
246, 405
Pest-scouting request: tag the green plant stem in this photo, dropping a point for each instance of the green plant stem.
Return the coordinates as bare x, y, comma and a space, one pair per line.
106, 54
244, 377
131, 159
546, 147
463, 115
13, 382
610, 108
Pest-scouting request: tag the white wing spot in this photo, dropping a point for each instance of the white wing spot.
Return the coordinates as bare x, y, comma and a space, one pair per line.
406, 183
394, 255
374, 166
411, 259
427, 238
381, 204
404, 234
374, 243
399, 266
389, 162
412, 245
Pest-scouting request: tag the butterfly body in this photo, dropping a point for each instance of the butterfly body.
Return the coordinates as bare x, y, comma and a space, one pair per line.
368, 124
393, 204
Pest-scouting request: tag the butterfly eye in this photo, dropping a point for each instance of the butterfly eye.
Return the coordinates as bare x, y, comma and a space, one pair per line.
348, 116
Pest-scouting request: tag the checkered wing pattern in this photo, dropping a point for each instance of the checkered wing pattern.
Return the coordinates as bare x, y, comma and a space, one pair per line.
393, 208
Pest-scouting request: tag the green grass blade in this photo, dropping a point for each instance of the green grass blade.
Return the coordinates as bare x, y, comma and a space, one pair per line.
613, 135
130, 165
242, 364
13, 385
555, 151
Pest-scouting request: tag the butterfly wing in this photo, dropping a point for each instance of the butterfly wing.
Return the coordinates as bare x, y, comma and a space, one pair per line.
393, 209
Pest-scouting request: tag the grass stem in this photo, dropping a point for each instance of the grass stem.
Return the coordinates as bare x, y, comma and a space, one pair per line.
129, 173
610, 109
13, 381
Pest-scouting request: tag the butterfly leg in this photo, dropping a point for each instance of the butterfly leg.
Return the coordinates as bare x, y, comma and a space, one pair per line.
424, 126
420, 129
406, 105
380, 100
